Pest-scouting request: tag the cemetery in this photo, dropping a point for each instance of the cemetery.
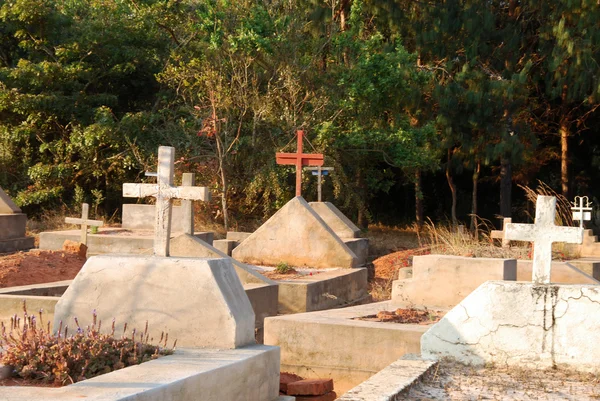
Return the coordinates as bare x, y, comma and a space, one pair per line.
299, 201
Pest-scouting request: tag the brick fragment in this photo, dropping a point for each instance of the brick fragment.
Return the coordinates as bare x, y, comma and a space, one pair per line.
325, 397
286, 378
310, 387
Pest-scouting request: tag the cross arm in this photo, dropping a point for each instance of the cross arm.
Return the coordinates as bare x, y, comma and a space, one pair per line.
520, 232
187, 193
74, 220
571, 235
312, 159
139, 190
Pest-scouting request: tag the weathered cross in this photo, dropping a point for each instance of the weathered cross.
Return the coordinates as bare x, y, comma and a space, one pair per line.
84, 222
543, 233
164, 191
319, 172
582, 211
299, 159
500, 234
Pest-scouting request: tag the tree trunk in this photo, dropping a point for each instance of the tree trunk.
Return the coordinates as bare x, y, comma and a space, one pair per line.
474, 199
362, 220
452, 190
564, 157
418, 200
505, 186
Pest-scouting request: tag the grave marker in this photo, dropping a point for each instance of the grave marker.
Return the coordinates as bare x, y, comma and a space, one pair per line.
582, 211
543, 233
319, 172
299, 159
164, 191
500, 234
84, 222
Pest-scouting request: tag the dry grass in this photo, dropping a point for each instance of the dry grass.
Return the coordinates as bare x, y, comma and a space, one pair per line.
384, 240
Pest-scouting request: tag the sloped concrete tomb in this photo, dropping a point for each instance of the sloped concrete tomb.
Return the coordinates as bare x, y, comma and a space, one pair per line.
297, 235
521, 324
12, 226
199, 302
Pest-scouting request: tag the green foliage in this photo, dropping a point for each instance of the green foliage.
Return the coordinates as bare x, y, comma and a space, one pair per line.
282, 268
36, 354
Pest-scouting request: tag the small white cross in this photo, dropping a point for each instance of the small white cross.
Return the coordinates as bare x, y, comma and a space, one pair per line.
84, 222
164, 192
500, 234
581, 211
543, 233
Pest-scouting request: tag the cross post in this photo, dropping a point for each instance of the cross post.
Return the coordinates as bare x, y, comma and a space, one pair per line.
188, 180
543, 233
581, 211
299, 159
500, 234
164, 191
84, 222
319, 172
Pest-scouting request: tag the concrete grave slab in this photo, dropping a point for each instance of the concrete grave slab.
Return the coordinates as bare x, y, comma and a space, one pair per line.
391, 381
562, 273
523, 325
201, 302
297, 235
237, 236
249, 373
336, 220
331, 344
360, 247
590, 266
13, 304
443, 281
225, 245
12, 227
110, 240
328, 289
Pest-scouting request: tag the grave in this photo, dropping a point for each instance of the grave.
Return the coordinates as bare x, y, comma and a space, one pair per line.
12, 221
84, 222
199, 302
525, 324
142, 241
297, 235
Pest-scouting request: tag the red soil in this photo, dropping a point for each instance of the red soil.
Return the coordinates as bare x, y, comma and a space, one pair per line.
36, 267
386, 267
411, 315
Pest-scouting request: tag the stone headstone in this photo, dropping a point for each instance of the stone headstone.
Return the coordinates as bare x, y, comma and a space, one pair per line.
164, 191
543, 233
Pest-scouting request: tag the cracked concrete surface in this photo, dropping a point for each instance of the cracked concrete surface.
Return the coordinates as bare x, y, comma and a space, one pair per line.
453, 381
521, 324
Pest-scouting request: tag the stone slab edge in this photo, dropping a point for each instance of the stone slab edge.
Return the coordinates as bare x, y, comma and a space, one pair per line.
6, 204
337, 213
391, 381
160, 379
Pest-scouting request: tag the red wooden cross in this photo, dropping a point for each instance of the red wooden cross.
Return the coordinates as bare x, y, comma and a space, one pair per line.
300, 159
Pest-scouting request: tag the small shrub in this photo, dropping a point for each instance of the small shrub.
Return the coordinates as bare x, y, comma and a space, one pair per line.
282, 268
37, 354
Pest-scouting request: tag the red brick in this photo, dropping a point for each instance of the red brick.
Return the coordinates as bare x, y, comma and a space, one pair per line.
325, 397
287, 378
75, 247
310, 387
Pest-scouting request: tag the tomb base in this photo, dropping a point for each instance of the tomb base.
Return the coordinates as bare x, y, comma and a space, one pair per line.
522, 325
199, 302
16, 244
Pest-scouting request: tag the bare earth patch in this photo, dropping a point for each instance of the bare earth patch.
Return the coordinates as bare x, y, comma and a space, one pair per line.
453, 381
36, 267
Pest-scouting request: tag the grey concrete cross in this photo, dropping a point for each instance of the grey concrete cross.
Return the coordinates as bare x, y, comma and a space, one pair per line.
164, 191
543, 233
84, 222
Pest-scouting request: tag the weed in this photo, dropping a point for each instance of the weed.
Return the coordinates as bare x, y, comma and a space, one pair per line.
36, 354
282, 268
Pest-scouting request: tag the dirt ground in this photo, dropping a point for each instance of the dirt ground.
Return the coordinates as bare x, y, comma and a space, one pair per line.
36, 266
457, 382
406, 316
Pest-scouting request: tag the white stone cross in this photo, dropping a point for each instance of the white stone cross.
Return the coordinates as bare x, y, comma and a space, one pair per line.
581, 211
500, 234
84, 222
543, 233
164, 191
